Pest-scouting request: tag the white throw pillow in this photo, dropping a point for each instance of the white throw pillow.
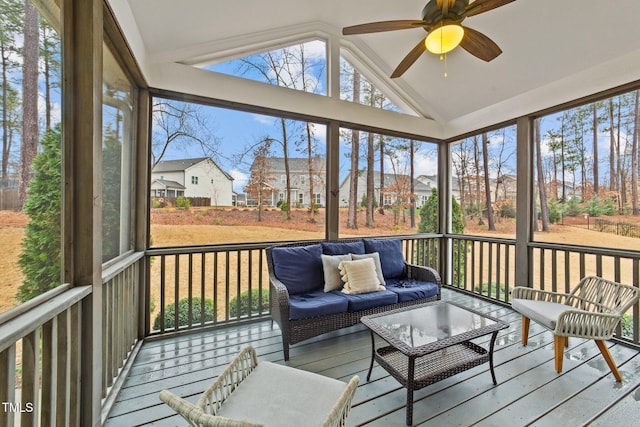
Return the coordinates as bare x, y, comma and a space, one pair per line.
332, 277
376, 259
360, 276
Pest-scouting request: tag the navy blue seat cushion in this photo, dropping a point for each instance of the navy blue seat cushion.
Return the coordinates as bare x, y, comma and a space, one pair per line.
299, 268
359, 302
410, 289
317, 303
339, 248
391, 256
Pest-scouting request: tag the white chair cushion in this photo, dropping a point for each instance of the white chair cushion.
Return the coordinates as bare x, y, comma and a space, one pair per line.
281, 396
543, 312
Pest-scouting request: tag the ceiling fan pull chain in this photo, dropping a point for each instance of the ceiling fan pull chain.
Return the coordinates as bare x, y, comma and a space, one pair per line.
445, 64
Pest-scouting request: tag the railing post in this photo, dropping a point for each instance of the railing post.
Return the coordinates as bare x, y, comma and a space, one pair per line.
526, 208
444, 211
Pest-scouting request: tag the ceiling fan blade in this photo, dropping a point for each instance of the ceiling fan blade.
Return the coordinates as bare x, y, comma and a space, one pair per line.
481, 6
479, 45
409, 59
377, 27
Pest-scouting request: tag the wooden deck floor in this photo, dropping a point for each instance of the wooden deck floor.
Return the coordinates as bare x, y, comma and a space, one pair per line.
529, 391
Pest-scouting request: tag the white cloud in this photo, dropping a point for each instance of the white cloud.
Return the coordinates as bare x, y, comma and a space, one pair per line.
240, 179
263, 120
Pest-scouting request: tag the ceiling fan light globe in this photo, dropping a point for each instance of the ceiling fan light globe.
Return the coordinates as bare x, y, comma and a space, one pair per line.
444, 39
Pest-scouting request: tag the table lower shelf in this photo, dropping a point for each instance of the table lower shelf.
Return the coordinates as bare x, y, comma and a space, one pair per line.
432, 367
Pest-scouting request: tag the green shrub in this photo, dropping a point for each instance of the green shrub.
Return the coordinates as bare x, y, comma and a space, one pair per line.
609, 207
183, 313
283, 206
555, 211
508, 210
573, 207
594, 208
244, 303
41, 254
183, 203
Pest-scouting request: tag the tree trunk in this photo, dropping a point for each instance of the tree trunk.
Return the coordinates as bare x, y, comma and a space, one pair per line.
476, 160
487, 189
29, 147
381, 196
412, 189
352, 217
6, 142
596, 177
612, 150
312, 203
634, 156
542, 190
285, 151
370, 186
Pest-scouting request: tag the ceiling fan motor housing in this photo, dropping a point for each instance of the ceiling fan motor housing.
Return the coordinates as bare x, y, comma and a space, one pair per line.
432, 14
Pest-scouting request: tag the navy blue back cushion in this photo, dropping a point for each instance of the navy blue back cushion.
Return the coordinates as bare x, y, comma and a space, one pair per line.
339, 248
391, 257
299, 268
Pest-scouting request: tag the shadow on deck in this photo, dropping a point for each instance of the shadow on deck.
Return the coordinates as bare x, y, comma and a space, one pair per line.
529, 391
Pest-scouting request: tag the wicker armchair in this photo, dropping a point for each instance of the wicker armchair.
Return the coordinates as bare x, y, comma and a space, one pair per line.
592, 310
252, 394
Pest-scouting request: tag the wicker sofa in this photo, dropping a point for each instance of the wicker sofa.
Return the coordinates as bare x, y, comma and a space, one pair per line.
303, 309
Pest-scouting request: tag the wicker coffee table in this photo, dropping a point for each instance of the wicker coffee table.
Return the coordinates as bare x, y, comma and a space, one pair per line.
430, 342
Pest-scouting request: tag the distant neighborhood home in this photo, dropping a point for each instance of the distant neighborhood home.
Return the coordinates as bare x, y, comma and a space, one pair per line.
198, 177
394, 184
268, 176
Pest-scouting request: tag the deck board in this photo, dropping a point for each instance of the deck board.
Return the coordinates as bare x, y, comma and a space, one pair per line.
529, 391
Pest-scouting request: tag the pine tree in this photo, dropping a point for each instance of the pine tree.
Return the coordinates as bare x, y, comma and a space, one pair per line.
41, 247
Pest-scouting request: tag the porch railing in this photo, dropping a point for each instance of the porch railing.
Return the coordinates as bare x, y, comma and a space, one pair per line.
40, 347
486, 266
229, 283
40, 359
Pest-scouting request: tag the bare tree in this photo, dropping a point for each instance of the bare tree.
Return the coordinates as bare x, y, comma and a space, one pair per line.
542, 190
258, 186
634, 155
596, 178
487, 188
180, 125
352, 217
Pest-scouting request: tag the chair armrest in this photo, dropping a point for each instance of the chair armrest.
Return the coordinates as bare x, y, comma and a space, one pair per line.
338, 414
195, 416
279, 295
239, 369
422, 273
523, 292
585, 324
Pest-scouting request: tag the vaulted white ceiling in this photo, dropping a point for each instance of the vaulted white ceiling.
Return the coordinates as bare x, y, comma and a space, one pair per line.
553, 51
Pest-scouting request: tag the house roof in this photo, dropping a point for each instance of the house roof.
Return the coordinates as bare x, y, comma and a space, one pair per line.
180, 165
296, 164
553, 52
390, 179
170, 184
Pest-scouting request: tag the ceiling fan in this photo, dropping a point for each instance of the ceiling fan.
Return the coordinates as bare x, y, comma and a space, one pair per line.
441, 20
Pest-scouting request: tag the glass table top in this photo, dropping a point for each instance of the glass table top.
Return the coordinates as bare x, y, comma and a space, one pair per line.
428, 324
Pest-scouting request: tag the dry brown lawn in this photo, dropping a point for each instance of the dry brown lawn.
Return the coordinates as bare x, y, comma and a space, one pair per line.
206, 226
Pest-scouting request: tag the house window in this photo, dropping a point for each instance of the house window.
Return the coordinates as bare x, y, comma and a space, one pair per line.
316, 198
301, 198
387, 200
283, 179
194, 180
281, 196
303, 179
212, 180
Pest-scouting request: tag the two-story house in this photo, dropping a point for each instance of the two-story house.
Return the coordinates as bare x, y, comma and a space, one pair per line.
197, 177
394, 185
274, 178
